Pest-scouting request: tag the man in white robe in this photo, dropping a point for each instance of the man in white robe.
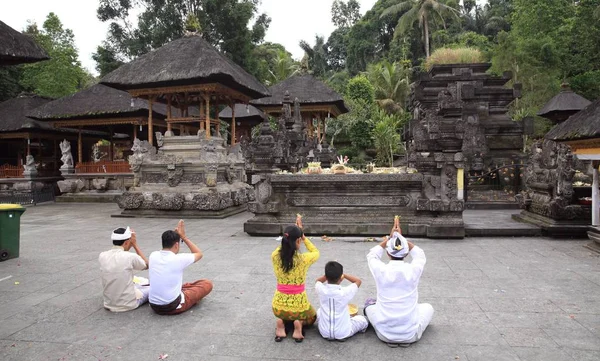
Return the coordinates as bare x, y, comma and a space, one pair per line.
397, 317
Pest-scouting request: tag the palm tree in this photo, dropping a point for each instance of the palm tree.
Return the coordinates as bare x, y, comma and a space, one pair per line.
317, 55
391, 84
423, 11
283, 67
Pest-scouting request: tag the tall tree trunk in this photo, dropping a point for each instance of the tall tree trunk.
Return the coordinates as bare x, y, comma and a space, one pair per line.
426, 30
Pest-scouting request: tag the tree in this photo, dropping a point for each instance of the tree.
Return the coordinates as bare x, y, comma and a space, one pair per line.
224, 24
345, 14
62, 74
317, 55
283, 67
106, 59
423, 11
9, 82
391, 84
274, 63
386, 136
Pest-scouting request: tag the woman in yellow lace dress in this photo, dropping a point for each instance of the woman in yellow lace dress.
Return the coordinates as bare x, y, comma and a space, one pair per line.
290, 302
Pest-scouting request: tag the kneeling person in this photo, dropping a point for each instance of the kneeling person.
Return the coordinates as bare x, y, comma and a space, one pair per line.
335, 322
168, 294
117, 265
397, 317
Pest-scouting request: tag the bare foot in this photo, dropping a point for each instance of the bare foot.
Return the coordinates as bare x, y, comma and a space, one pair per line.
297, 335
280, 330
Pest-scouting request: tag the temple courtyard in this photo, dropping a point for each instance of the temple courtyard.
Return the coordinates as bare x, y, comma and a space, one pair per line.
529, 298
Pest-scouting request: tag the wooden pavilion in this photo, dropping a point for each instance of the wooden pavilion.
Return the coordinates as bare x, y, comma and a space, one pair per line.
563, 105
21, 136
18, 48
582, 133
185, 73
317, 102
246, 117
102, 108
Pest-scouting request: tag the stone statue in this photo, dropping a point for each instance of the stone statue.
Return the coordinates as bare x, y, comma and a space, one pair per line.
159, 139
96, 153
30, 168
67, 157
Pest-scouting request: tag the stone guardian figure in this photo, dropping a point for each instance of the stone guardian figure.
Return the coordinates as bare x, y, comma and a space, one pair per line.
67, 157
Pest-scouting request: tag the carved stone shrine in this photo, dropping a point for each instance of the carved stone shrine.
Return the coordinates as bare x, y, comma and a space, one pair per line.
461, 111
189, 176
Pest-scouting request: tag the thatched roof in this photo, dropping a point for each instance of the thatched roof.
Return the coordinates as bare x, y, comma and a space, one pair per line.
13, 113
18, 48
583, 125
186, 61
308, 90
13, 117
97, 101
242, 111
563, 105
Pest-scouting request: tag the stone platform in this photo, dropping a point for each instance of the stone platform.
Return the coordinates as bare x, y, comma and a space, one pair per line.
353, 205
555, 228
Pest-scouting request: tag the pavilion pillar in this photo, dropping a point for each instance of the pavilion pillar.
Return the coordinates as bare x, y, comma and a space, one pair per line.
201, 110
54, 161
28, 145
207, 120
150, 123
595, 198
232, 123
79, 147
218, 125
169, 131
110, 146
319, 128
135, 135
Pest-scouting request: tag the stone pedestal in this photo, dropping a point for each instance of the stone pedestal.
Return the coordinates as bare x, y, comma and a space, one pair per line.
67, 170
594, 235
190, 176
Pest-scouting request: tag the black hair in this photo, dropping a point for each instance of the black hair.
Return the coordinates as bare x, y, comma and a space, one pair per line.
333, 272
169, 238
119, 231
288, 247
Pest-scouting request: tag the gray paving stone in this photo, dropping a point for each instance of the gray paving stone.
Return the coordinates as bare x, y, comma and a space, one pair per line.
527, 337
491, 302
542, 354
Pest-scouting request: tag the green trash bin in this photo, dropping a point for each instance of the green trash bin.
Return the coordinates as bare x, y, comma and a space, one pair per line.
10, 228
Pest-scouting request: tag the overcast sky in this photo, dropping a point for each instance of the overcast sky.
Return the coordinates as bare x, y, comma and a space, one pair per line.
292, 21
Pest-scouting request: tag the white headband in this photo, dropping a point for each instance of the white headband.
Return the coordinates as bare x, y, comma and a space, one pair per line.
397, 251
121, 237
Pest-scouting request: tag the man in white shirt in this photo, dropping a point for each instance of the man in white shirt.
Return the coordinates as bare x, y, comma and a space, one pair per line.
117, 265
335, 322
168, 294
397, 317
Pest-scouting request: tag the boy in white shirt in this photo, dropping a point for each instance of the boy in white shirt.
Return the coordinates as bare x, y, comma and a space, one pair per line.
333, 316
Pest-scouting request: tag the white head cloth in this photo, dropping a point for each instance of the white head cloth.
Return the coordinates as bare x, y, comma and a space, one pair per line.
121, 237
399, 251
